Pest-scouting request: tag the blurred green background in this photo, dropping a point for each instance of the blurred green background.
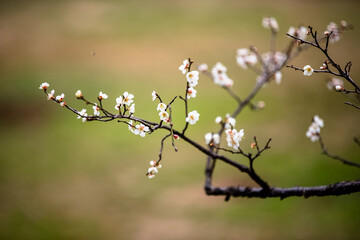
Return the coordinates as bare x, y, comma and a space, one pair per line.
64, 179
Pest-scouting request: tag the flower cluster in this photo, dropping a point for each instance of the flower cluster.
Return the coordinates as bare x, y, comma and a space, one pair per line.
314, 130
228, 121
125, 101
270, 23
300, 32
220, 77
234, 137
164, 116
245, 58
212, 138
153, 169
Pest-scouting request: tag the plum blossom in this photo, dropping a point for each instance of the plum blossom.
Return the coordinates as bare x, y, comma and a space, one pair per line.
308, 70
183, 68
96, 110
44, 86
102, 96
78, 94
334, 82
274, 61
154, 95
277, 77
82, 115
191, 93
161, 107
63, 104
229, 121
300, 32
151, 172
192, 77
132, 108
155, 164
203, 67
164, 116
270, 23
220, 77
313, 131
51, 95
141, 130
192, 117
234, 137
244, 58
131, 126
60, 98
119, 103
218, 120
127, 100
335, 36
209, 137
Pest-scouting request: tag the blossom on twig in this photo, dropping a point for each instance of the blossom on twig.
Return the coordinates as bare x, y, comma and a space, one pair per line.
313, 131
192, 117
183, 68
308, 70
102, 96
220, 77
44, 86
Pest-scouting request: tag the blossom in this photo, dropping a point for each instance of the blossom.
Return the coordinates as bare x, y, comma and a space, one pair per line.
270, 23
161, 107
82, 114
218, 120
155, 164
203, 67
220, 77
183, 68
308, 70
51, 95
260, 104
192, 117
154, 95
244, 58
151, 172
128, 98
209, 137
131, 126
141, 130
335, 83
176, 137
192, 77
277, 77
191, 93
78, 94
234, 137
164, 116
229, 121
96, 110
335, 36
274, 61
44, 86
119, 103
63, 104
338, 88
60, 98
300, 32
102, 96
313, 131
132, 108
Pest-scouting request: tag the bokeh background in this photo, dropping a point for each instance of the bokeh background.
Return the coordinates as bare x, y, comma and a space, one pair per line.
64, 179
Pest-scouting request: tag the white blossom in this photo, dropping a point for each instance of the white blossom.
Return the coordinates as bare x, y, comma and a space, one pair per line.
82, 115
119, 103
60, 98
62, 104
234, 137
131, 126
313, 131
229, 121
318, 121
96, 110
308, 70
244, 58
164, 116
203, 67
338, 88
277, 77
208, 138
270, 23
44, 86
183, 68
127, 100
51, 95
220, 77
191, 93
102, 95
141, 130
335, 36
192, 117
155, 164
335, 83
192, 77
153, 94
161, 107
78, 94
132, 108
218, 120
